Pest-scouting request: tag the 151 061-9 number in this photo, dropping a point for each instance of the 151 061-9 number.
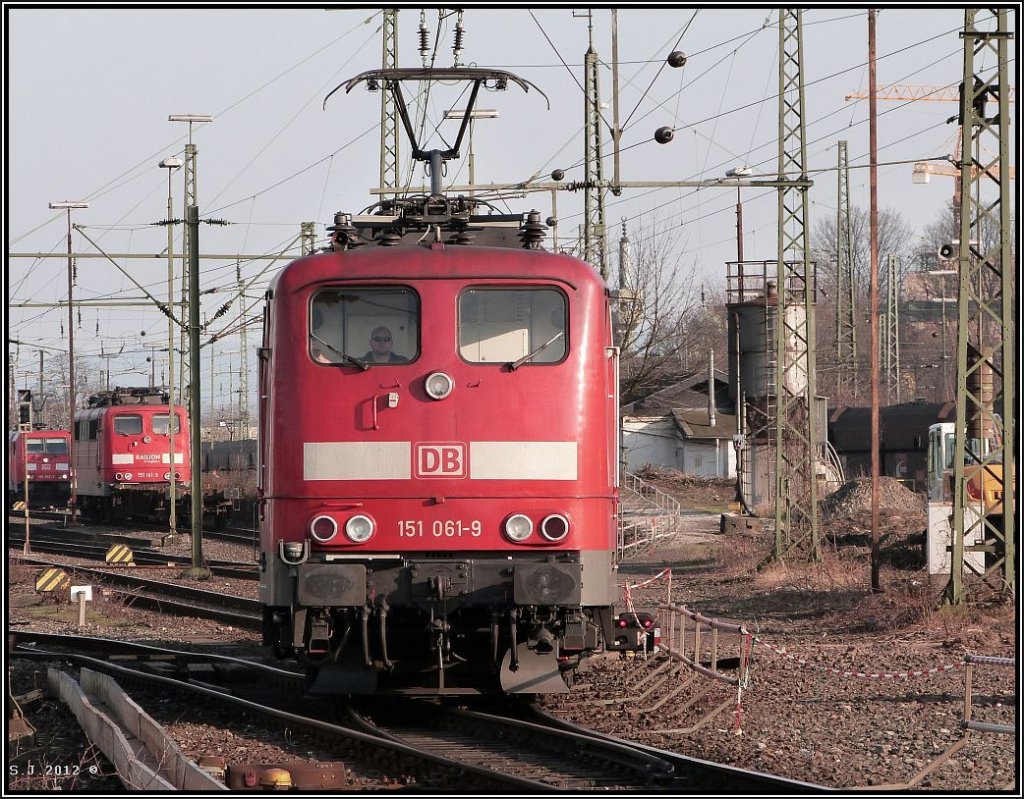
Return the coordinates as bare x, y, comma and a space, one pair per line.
448, 528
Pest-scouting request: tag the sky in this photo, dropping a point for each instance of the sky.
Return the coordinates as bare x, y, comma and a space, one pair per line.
89, 92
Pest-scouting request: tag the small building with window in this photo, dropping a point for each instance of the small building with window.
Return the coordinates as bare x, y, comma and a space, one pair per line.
688, 426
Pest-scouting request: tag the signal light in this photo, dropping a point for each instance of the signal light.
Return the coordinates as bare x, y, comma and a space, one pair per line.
644, 620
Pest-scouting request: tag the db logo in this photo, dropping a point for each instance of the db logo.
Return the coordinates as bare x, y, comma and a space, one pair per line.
440, 460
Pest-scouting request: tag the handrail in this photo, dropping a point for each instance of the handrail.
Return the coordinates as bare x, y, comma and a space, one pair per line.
635, 534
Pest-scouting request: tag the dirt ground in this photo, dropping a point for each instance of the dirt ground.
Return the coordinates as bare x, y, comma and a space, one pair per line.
845, 686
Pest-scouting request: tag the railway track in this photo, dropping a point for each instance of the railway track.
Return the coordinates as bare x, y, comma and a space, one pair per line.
240, 535
166, 596
441, 747
548, 757
419, 769
95, 548
698, 776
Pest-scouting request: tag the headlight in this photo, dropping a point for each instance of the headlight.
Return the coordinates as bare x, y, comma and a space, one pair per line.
118, 476
518, 527
323, 528
439, 385
554, 527
359, 529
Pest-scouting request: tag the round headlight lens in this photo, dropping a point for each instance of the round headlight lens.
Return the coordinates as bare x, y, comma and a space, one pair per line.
518, 527
323, 528
554, 527
439, 385
359, 528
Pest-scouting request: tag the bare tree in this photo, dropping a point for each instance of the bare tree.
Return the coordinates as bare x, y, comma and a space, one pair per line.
660, 318
895, 237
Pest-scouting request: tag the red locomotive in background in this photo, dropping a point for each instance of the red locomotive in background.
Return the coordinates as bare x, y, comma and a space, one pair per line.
438, 456
122, 459
41, 457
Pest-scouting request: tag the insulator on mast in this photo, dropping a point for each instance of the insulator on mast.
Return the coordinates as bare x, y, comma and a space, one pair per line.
424, 34
460, 33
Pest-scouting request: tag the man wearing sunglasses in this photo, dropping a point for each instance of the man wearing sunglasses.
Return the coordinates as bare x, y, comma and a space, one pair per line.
380, 348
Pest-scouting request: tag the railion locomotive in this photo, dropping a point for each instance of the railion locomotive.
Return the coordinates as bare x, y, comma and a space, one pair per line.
41, 457
123, 459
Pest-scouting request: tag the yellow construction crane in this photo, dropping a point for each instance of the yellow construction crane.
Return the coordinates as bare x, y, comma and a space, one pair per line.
923, 170
907, 91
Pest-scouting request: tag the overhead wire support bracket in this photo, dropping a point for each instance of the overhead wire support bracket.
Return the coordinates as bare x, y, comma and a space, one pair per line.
393, 79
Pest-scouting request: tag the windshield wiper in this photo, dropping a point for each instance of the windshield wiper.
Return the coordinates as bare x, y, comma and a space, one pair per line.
513, 365
345, 355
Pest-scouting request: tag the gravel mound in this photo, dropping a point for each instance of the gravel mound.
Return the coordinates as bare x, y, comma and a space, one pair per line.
854, 498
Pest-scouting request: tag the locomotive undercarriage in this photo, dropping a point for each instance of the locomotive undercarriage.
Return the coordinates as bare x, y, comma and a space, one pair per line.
43, 494
438, 626
153, 505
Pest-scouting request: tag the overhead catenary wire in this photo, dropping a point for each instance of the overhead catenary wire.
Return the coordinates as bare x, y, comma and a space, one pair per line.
328, 162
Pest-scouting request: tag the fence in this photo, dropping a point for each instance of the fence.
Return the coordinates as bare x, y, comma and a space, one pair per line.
646, 515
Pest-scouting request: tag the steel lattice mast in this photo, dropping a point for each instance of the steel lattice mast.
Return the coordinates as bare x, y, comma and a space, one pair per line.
796, 439
190, 200
846, 332
594, 244
985, 334
891, 328
389, 123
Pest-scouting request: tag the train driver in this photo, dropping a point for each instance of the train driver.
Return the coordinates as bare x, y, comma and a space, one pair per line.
380, 348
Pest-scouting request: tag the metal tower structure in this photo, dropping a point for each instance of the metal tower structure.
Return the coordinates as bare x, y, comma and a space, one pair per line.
891, 329
243, 388
389, 123
594, 242
986, 346
308, 237
191, 189
796, 436
846, 332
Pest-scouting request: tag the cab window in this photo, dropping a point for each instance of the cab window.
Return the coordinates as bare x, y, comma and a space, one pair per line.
160, 424
34, 446
56, 446
520, 326
128, 424
356, 326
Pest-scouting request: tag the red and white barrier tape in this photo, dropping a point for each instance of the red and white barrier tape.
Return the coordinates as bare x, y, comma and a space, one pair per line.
663, 573
627, 590
867, 675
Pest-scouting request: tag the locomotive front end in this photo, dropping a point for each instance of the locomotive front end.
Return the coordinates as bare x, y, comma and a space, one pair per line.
438, 469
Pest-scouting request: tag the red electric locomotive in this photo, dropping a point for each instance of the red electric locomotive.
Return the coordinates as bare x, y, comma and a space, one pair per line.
438, 456
122, 458
41, 457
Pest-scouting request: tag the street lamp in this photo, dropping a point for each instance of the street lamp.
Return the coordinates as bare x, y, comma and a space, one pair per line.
68, 205
197, 570
739, 172
170, 164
